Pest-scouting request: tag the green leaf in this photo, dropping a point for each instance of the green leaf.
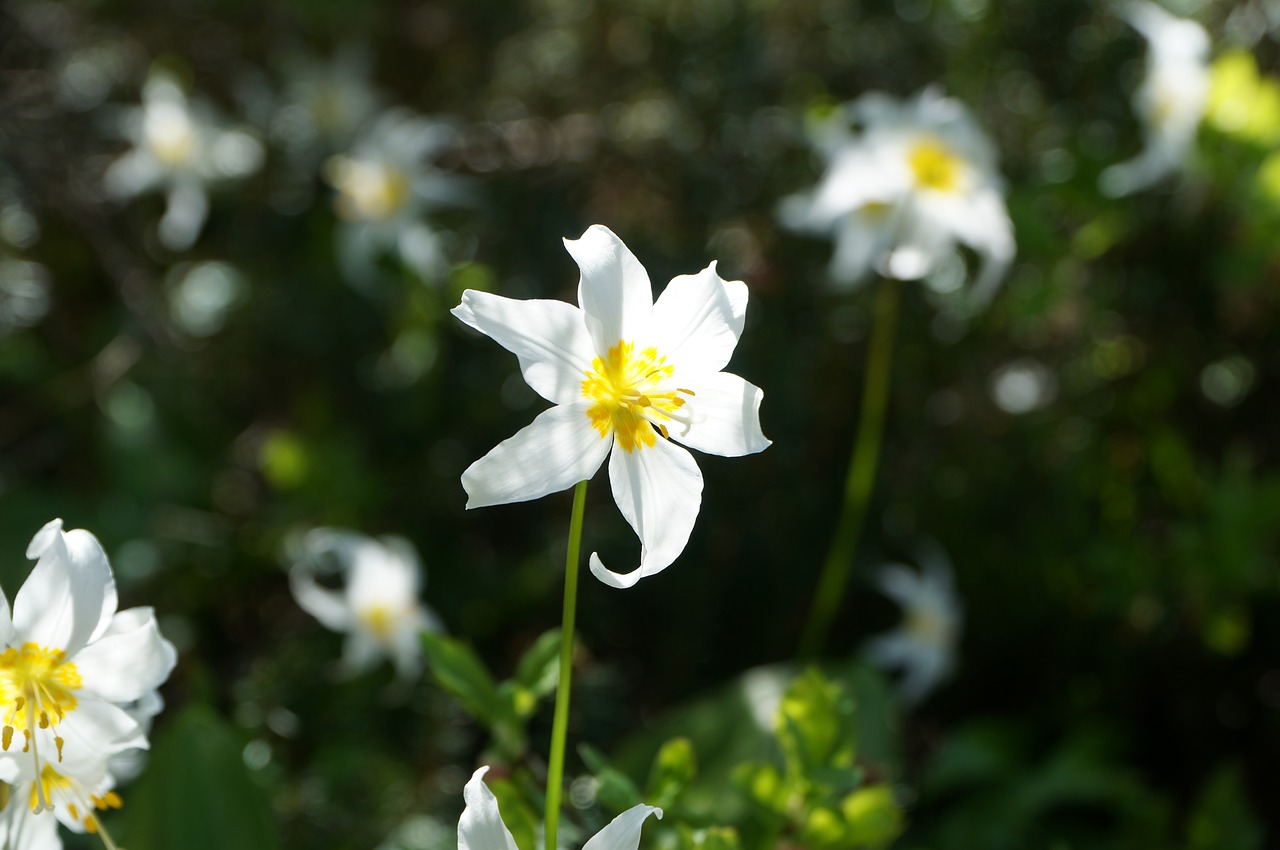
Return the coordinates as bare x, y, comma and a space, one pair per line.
824, 827
814, 724
539, 668
873, 817
461, 672
196, 792
614, 789
764, 786
673, 768
1221, 817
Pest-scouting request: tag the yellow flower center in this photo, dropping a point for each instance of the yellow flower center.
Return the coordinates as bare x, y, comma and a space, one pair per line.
632, 396
53, 786
169, 134
37, 685
378, 619
934, 166
367, 190
927, 626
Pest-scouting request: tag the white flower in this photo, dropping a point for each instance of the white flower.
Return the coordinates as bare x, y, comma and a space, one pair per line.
925, 644
178, 148
76, 676
385, 183
378, 607
899, 195
481, 826
625, 374
73, 793
325, 102
1171, 100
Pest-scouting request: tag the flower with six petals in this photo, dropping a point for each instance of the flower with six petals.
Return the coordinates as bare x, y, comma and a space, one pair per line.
629, 377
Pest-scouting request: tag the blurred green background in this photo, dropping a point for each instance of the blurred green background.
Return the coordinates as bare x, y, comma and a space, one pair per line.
1115, 545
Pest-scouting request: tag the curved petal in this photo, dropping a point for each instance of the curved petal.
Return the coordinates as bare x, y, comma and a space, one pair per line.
186, 208
23, 829
901, 583
549, 338
328, 606
127, 664
726, 416
481, 826
698, 319
659, 491
557, 450
70, 595
623, 832
6, 621
94, 731
360, 651
862, 241
613, 290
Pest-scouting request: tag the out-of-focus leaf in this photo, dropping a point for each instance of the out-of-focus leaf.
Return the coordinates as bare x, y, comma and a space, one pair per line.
196, 792
763, 785
674, 767
1222, 817
815, 725
874, 819
516, 813
539, 667
460, 672
614, 789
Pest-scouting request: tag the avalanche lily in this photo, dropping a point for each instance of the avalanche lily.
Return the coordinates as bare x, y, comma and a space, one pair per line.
73, 793
1171, 100
481, 826
629, 378
919, 178
178, 147
924, 646
385, 184
74, 670
378, 608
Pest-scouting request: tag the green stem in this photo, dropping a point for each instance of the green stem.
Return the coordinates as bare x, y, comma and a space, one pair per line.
861, 475
560, 723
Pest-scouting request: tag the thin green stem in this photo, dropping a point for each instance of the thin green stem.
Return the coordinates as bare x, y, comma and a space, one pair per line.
862, 472
560, 723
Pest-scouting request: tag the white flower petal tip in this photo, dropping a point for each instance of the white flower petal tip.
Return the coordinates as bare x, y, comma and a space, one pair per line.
622, 581
44, 539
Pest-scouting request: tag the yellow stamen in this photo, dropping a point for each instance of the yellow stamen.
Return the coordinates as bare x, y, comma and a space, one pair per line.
631, 397
935, 166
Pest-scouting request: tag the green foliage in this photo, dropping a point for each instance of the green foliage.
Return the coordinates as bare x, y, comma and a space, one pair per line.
1222, 816
197, 792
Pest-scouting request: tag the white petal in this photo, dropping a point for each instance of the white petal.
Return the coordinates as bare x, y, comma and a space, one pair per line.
698, 319
134, 173
902, 583
69, 596
659, 491
548, 337
6, 621
128, 662
862, 242
986, 228
623, 832
726, 416
360, 651
382, 577
613, 290
328, 606
185, 211
481, 826
23, 829
557, 450
94, 731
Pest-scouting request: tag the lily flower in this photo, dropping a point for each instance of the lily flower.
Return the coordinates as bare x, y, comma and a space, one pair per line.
177, 147
924, 646
76, 676
385, 184
378, 608
73, 793
899, 195
481, 826
629, 378
1171, 100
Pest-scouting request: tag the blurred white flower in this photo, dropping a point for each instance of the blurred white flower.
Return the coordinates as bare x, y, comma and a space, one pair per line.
481, 826
622, 372
924, 646
378, 606
325, 102
77, 677
1022, 386
899, 195
178, 148
1171, 100
385, 184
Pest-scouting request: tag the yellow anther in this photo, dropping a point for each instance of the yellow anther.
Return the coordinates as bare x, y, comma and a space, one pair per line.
629, 398
73, 811
59, 742
665, 434
44, 720
685, 391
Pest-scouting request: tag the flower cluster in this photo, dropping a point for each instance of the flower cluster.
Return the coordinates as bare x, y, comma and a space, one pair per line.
78, 682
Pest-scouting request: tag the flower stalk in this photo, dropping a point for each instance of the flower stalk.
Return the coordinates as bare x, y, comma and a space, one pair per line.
862, 471
560, 722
